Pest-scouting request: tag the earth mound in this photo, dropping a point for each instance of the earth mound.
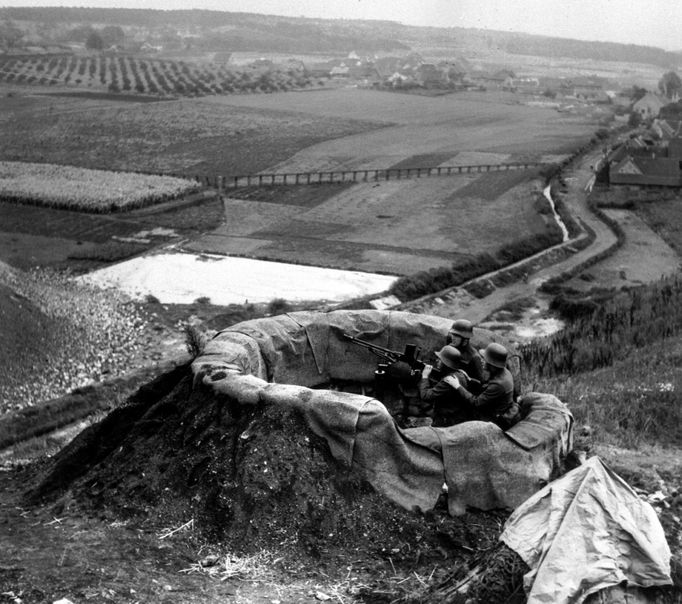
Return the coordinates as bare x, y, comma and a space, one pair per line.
248, 443
253, 478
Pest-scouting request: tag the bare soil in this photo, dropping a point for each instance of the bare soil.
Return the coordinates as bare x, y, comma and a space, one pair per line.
130, 508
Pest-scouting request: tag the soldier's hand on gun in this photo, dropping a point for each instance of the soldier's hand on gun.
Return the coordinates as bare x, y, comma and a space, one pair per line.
426, 372
452, 381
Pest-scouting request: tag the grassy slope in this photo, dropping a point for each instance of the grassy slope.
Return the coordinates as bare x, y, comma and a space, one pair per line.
619, 369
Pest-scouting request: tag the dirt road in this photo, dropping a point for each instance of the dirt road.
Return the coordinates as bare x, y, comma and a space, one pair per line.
659, 259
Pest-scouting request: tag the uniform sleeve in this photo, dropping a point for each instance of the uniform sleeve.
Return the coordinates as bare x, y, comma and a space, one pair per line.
434, 393
492, 393
477, 367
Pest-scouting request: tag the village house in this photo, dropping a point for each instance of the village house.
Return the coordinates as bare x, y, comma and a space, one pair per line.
665, 130
427, 74
526, 84
149, 47
587, 87
648, 106
339, 71
498, 79
637, 163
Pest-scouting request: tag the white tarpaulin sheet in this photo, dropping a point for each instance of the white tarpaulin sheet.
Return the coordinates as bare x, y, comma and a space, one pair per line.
585, 532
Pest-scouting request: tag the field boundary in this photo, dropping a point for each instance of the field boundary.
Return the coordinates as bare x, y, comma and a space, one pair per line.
336, 176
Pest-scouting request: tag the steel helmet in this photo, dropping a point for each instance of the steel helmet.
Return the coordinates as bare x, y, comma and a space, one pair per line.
462, 328
495, 354
449, 356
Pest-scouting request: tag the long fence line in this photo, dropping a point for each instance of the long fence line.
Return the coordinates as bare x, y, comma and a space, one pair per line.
339, 176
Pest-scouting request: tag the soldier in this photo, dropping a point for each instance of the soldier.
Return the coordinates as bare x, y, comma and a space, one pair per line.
445, 404
459, 336
496, 401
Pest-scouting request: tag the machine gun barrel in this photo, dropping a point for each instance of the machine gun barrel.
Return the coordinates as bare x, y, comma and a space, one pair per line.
409, 356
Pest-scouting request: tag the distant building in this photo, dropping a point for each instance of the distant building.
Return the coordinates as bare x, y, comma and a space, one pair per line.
666, 130
149, 47
339, 71
222, 57
637, 163
648, 106
427, 74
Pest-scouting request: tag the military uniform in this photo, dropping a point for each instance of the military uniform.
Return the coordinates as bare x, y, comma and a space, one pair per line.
496, 401
472, 362
445, 404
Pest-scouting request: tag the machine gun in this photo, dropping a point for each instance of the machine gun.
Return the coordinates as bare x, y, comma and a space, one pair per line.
389, 357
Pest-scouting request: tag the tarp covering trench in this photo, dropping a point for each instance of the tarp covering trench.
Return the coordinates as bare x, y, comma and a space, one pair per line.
279, 359
586, 532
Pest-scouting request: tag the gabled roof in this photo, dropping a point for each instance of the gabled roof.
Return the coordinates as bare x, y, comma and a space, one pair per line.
649, 166
387, 66
650, 100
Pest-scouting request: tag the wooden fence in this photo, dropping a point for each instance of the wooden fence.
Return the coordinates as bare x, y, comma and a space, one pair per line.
340, 176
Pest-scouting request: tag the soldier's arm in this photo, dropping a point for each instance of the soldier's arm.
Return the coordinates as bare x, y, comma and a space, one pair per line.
490, 394
430, 393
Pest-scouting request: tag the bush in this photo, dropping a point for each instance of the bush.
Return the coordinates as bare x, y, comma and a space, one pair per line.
278, 306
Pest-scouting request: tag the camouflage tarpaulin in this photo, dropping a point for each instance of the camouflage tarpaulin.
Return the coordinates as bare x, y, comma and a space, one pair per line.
482, 466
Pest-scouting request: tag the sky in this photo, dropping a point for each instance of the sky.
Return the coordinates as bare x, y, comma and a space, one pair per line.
642, 22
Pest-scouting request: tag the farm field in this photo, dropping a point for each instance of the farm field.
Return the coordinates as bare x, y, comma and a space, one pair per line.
395, 227
72, 188
494, 123
33, 236
186, 137
392, 227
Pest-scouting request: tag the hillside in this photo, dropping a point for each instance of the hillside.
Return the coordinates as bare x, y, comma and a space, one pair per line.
227, 31
57, 337
626, 412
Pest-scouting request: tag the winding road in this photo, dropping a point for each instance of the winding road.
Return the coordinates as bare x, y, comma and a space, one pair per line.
456, 302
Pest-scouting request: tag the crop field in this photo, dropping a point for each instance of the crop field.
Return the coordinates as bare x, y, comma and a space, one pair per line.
72, 188
185, 137
394, 227
440, 127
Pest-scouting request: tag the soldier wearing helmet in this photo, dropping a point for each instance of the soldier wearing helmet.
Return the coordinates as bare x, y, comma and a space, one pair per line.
447, 406
495, 402
459, 336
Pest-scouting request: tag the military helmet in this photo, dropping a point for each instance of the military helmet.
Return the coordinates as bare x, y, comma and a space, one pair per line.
462, 328
495, 354
449, 356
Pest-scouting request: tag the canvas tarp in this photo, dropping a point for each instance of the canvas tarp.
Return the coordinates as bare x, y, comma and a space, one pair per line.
482, 466
585, 532
308, 348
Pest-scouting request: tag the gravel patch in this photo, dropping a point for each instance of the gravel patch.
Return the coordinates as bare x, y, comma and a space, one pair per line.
85, 335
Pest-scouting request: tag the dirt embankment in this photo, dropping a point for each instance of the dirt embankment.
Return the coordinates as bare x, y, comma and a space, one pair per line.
254, 480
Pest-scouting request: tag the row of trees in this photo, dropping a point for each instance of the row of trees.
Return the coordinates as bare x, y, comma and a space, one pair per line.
117, 73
